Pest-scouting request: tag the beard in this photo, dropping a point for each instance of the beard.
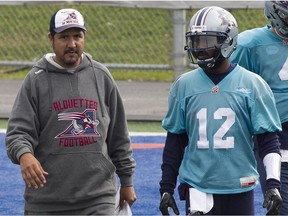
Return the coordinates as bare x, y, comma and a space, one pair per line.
71, 58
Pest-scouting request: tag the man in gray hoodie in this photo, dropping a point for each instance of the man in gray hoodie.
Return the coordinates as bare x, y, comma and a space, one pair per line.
68, 129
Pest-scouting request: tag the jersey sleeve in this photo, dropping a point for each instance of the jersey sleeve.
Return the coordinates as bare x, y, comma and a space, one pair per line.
264, 114
174, 121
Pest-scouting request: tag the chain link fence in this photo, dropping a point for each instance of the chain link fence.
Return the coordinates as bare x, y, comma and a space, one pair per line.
123, 38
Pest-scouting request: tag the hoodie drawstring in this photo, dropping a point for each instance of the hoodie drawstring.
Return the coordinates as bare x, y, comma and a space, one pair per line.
50, 89
97, 87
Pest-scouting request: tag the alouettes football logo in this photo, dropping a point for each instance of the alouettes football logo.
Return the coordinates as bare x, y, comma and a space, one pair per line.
71, 18
82, 124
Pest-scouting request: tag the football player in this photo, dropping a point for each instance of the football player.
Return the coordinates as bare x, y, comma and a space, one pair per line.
264, 50
213, 113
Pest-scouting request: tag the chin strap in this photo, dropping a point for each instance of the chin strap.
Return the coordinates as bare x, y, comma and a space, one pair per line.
272, 163
280, 35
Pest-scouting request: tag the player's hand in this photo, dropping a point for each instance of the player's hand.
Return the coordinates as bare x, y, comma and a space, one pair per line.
167, 200
272, 201
127, 194
32, 172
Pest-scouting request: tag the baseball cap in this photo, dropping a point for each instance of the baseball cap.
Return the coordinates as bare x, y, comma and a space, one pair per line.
65, 19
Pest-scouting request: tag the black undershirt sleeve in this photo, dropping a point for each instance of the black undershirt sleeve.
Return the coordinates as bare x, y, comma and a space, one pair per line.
173, 152
267, 143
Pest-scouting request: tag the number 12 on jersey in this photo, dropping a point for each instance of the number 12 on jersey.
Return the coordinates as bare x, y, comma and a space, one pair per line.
218, 138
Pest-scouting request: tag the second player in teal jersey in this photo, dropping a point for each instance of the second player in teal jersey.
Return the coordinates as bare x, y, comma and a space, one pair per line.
264, 51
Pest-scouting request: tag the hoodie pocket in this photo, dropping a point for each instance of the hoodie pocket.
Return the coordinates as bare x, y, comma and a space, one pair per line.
74, 177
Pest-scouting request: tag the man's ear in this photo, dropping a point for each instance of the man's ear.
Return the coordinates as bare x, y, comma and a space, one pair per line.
50, 37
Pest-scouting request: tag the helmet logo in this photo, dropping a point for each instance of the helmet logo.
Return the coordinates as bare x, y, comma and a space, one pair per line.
225, 20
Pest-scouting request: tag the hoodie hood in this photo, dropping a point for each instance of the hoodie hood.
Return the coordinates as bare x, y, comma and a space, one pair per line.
48, 65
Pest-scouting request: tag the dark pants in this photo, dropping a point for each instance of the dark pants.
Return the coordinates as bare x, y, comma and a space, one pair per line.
229, 204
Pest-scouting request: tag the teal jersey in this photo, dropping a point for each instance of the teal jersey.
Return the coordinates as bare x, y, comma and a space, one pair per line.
261, 51
220, 121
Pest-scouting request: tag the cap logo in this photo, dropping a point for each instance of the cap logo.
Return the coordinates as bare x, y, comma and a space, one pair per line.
67, 18
71, 19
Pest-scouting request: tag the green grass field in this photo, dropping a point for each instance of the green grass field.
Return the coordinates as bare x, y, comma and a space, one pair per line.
3, 124
133, 126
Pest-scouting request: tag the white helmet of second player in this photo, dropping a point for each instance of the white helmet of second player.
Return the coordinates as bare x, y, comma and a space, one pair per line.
277, 13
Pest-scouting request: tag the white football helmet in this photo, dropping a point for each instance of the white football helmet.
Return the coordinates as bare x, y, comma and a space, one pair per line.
277, 13
211, 37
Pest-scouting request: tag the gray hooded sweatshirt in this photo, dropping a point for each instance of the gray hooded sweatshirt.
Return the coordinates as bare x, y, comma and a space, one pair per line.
73, 122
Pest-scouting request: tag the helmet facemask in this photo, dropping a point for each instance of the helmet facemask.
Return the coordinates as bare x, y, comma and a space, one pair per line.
204, 48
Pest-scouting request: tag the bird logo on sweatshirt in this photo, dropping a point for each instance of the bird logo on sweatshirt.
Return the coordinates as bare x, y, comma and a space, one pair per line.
82, 124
